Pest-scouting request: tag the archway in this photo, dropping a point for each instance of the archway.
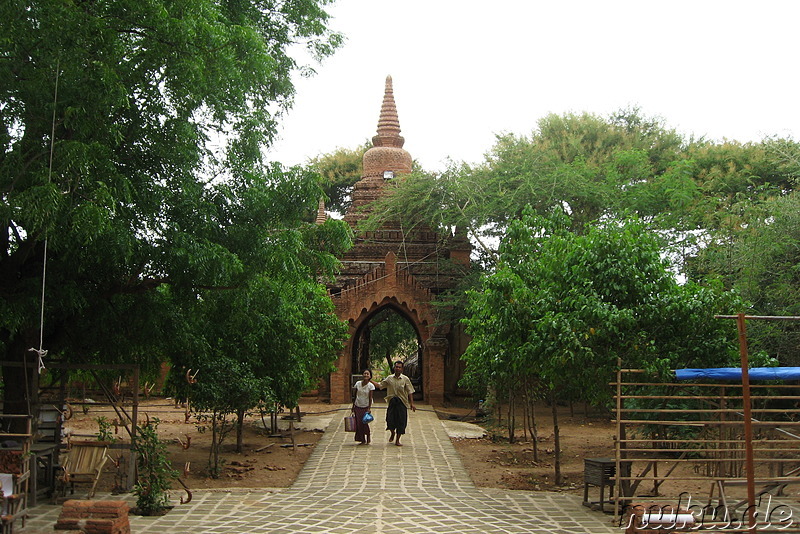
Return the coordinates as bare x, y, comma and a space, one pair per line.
387, 335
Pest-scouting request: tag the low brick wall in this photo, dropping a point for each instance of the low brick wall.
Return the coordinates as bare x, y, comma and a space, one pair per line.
94, 517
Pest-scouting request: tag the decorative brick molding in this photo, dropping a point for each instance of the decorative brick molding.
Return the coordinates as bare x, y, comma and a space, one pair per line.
94, 517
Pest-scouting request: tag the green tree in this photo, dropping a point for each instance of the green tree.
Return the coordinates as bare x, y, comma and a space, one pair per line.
340, 170
562, 308
273, 332
698, 194
764, 265
593, 167
111, 115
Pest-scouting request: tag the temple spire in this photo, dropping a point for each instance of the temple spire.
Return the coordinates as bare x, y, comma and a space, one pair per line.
321, 215
388, 123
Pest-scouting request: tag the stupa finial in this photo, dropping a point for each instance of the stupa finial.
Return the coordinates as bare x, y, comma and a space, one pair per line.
388, 123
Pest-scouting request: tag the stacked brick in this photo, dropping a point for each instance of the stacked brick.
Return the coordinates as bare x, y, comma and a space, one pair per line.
94, 517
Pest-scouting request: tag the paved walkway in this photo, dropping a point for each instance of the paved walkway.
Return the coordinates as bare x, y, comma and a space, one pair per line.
421, 487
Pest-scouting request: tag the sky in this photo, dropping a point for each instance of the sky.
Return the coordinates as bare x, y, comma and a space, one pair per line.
466, 70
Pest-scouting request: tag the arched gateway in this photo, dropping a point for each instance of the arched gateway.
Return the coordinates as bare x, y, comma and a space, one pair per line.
399, 270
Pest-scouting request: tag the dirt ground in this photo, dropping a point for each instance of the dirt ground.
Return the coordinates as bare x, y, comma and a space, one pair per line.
266, 461
495, 463
271, 461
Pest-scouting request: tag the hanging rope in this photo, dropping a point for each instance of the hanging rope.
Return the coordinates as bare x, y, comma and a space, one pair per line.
41, 352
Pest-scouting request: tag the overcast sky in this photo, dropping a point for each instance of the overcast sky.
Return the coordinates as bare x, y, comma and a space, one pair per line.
464, 70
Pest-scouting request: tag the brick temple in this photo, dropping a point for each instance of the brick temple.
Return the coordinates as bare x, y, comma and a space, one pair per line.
400, 267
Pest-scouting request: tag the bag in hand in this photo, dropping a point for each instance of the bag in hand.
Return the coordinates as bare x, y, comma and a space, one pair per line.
350, 423
367, 419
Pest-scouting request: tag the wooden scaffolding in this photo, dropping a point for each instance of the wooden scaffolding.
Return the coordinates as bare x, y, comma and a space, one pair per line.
678, 435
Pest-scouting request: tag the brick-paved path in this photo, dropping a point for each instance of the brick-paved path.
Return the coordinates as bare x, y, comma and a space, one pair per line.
421, 487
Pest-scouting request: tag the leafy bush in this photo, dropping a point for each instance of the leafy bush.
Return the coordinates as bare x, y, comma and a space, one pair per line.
104, 432
155, 471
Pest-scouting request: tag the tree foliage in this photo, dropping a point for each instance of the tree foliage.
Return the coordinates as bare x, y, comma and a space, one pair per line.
559, 300
131, 137
561, 308
340, 170
591, 166
709, 201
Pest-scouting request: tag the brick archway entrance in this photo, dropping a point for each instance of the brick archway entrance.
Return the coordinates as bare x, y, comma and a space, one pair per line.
390, 286
399, 269
363, 356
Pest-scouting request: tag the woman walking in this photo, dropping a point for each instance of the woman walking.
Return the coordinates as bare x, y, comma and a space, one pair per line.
362, 404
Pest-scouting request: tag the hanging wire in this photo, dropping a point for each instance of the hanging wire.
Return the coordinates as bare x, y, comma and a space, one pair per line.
41, 352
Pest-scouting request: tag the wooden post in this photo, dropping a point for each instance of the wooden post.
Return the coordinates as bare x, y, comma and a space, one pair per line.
748, 427
618, 442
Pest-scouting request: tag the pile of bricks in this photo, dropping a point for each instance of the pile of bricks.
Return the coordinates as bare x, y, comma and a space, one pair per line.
94, 517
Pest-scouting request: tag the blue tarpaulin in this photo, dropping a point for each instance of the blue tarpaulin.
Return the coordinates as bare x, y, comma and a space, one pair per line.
735, 373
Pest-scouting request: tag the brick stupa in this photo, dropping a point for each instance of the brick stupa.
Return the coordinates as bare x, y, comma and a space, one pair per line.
398, 266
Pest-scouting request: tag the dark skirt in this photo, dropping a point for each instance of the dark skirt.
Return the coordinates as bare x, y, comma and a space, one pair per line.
396, 416
362, 429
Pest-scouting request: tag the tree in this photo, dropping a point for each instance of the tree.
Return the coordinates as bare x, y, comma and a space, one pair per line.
698, 194
340, 170
562, 308
110, 115
764, 265
593, 167
389, 337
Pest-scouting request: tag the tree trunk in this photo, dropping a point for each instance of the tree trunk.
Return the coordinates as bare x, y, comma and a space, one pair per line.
239, 429
532, 423
273, 420
213, 459
511, 419
556, 439
525, 415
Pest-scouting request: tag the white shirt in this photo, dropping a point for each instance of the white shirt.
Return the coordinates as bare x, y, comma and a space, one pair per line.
362, 393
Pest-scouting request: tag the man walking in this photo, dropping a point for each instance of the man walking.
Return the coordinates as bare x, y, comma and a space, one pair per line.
400, 396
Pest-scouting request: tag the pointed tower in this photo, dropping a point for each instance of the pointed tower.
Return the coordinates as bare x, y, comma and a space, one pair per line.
385, 161
321, 215
395, 268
